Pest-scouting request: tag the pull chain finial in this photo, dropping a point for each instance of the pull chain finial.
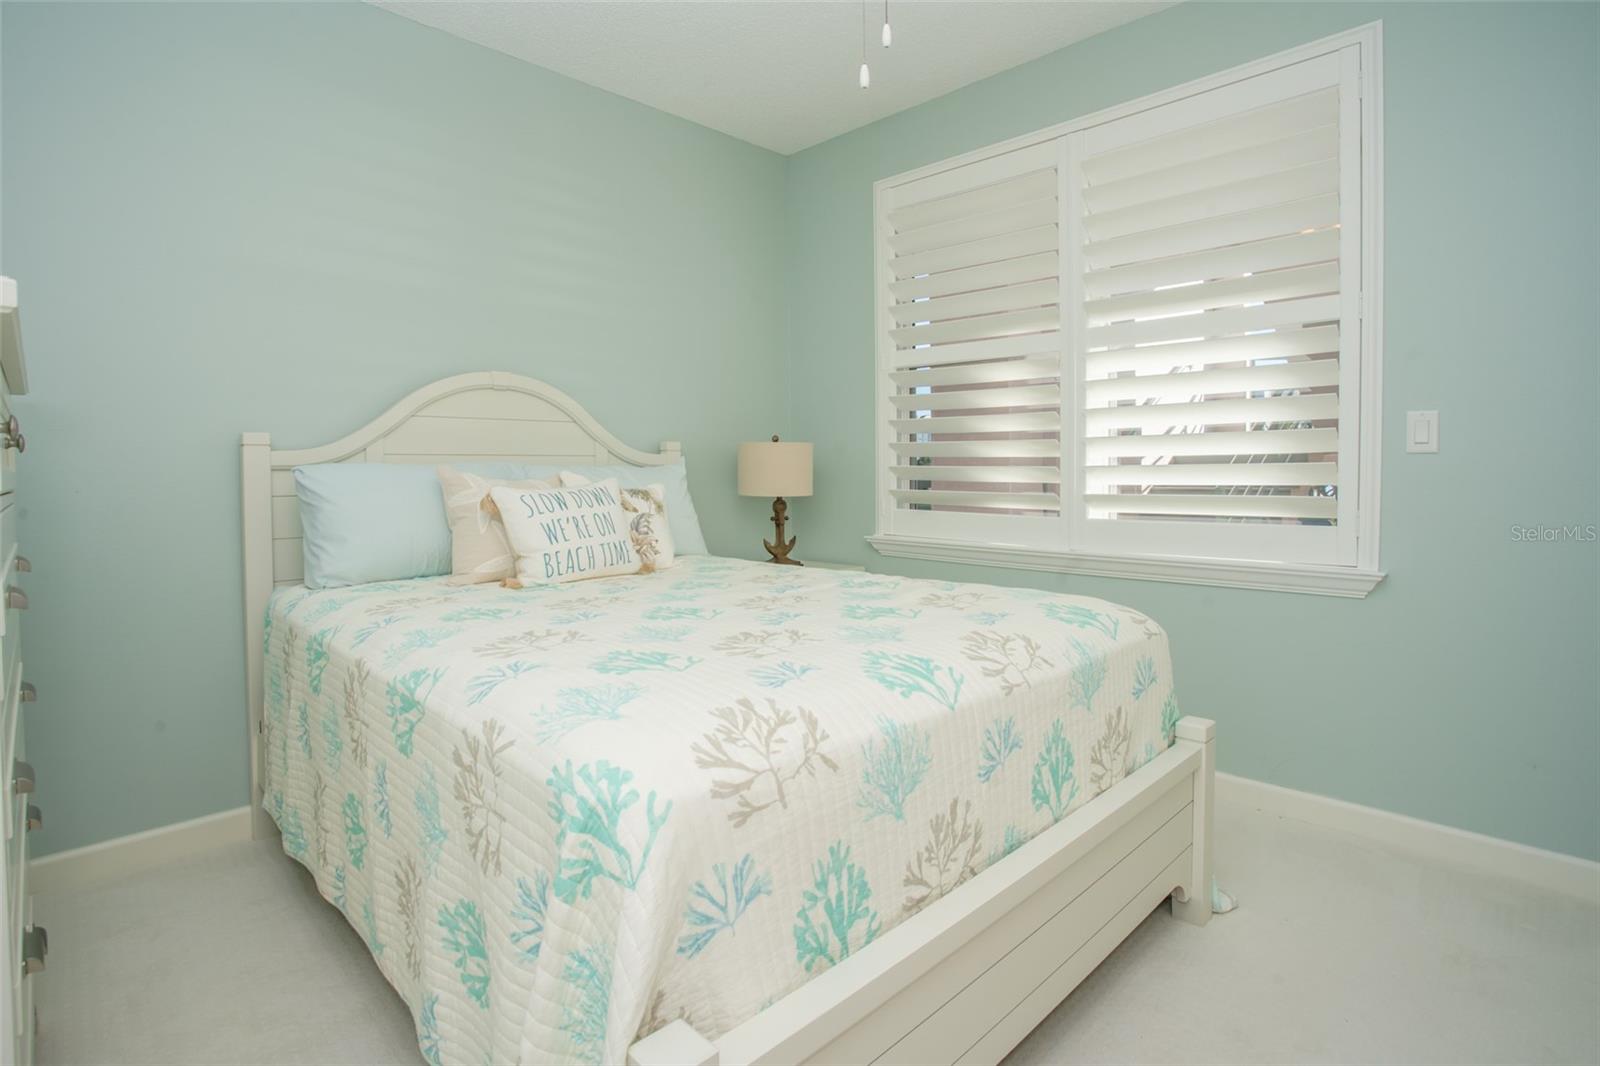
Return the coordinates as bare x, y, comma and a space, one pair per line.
866, 75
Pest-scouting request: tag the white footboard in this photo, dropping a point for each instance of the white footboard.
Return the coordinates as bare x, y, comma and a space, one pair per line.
966, 979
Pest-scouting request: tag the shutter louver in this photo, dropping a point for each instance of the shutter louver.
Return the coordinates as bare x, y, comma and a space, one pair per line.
1211, 319
974, 343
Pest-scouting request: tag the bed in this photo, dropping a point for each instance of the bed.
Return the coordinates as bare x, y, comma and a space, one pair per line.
728, 812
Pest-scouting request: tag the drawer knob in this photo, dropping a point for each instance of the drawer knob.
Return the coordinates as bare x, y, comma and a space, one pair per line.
35, 817
21, 778
16, 598
35, 946
13, 435
29, 693
23, 565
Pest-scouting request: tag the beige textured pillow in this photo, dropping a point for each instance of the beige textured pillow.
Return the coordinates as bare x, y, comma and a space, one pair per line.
646, 511
479, 550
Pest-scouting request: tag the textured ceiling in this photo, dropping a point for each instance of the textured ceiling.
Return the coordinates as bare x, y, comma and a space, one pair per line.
777, 73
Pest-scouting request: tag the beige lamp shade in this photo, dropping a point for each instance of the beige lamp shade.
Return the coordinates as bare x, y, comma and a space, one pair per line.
774, 468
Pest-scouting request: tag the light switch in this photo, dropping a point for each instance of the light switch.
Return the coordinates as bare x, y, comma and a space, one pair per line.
1422, 431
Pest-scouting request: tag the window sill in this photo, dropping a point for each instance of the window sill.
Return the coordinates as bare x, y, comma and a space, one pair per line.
1273, 577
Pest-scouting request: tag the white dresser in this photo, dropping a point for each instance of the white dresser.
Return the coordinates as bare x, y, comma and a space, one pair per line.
24, 943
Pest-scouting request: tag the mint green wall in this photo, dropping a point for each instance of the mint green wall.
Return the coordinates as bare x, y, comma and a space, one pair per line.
1464, 690
278, 217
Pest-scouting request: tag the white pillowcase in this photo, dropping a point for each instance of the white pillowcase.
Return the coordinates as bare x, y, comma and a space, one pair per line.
566, 534
648, 523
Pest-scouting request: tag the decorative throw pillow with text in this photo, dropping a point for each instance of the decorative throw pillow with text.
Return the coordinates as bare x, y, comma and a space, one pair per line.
566, 534
647, 522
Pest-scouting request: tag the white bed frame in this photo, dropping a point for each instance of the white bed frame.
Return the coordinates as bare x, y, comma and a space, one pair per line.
965, 979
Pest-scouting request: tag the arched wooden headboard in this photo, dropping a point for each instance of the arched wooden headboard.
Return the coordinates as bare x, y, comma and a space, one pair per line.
489, 416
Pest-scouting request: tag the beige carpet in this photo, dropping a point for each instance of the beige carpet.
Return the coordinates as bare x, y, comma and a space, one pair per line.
1341, 952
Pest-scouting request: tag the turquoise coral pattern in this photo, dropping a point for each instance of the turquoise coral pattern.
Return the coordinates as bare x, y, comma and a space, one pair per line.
547, 811
836, 915
719, 905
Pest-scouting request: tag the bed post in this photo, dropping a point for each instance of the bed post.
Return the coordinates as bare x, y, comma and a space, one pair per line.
1193, 902
255, 481
674, 1044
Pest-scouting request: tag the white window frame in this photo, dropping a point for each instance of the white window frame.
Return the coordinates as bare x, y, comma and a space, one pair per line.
979, 544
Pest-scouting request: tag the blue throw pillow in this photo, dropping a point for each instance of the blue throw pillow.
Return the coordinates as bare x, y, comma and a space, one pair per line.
377, 521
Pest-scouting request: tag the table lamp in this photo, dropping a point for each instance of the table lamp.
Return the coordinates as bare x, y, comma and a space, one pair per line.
778, 469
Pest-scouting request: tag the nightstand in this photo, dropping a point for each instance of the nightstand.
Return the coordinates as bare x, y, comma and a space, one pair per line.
816, 565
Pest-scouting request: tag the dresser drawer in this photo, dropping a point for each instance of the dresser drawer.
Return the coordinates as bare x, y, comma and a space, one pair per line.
10, 659
17, 871
8, 561
15, 751
10, 663
15, 802
10, 679
9, 454
11, 701
21, 921
8, 533
17, 882
22, 989
13, 600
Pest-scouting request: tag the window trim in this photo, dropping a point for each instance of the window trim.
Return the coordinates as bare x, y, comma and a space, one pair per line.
1232, 573
1336, 580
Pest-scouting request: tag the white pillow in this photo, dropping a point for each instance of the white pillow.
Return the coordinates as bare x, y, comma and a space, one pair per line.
648, 523
566, 534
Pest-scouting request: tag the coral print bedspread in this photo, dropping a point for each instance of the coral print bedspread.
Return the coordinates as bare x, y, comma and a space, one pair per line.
564, 816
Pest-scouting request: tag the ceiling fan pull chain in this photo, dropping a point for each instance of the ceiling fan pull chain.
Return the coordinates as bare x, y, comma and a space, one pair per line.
866, 75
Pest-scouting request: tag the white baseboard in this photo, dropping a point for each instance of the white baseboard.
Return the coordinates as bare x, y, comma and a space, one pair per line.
110, 859
1550, 870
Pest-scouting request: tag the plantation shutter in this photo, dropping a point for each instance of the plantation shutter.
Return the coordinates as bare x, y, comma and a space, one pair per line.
1217, 280
971, 343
